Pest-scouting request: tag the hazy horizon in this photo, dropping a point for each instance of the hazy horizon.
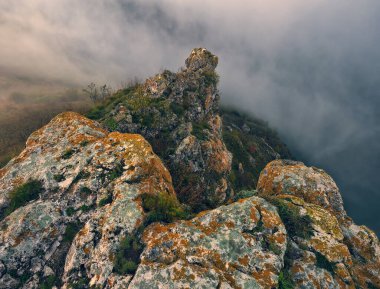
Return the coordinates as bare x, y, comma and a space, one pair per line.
309, 68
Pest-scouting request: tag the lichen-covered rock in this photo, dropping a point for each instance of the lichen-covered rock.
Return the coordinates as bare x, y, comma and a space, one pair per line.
178, 114
364, 246
309, 183
318, 259
236, 246
91, 183
336, 253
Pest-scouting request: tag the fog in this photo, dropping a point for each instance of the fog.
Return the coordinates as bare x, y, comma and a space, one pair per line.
309, 68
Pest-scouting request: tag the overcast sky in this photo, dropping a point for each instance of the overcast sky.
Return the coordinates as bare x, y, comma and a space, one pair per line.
310, 68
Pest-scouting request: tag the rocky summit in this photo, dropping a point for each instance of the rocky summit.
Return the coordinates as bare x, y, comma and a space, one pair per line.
159, 187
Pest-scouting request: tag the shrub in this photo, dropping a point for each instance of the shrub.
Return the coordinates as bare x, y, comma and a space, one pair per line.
323, 263
70, 211
177, 108
128, 255
285, 281
162, 207
199, 130
105, 201
111, 123
295, 224
67, 154
211, 78
97, 113
71, 230
85, 208
116, 172
86, 190
84, 143
59, 178
49, 282
23, 194
372, 286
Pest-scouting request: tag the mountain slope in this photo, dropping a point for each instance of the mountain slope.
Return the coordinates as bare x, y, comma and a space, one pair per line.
91, 204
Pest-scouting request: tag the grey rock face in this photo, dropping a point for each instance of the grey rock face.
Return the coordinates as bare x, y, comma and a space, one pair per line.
236, 246
70, 229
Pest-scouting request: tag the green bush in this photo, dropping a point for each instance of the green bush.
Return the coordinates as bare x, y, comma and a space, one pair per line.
23, 194
84, 143
86, 208
200, 130
111, 124
323, 263
105, 201
70, 211
86, 190
59, 178
97, 112
162, 207
49, 282
285, 281
211, 78
178, 109
71, 230
295, 224
67, 154
82, 283
372, 286
128, 255
116, 172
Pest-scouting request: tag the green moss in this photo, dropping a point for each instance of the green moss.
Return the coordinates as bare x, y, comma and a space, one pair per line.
127, 256
162, 207
71, 230
22, 195
200, 130
295, 224
67, 154
323, 263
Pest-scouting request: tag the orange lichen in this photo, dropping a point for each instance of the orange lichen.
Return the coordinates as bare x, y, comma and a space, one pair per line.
244, 260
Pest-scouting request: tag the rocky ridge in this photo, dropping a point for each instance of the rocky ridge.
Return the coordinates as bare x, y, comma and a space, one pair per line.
91, 204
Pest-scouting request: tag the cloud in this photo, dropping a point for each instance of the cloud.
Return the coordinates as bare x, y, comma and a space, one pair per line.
310, 68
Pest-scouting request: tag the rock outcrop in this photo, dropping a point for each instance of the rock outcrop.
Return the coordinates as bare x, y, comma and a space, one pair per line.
89, 205
236, 246
91, 182
331, 251
178, 114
